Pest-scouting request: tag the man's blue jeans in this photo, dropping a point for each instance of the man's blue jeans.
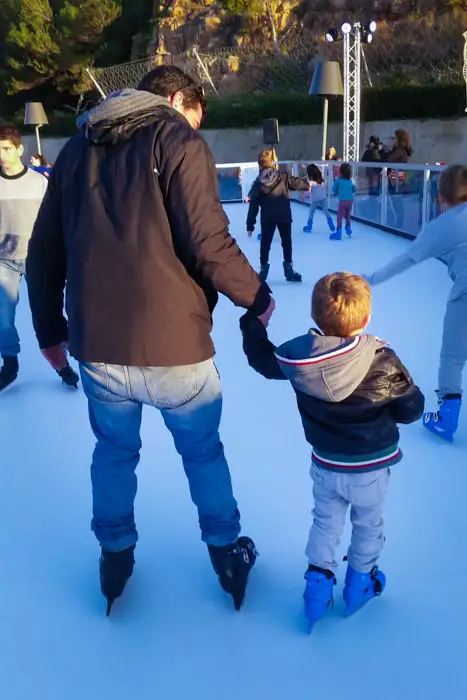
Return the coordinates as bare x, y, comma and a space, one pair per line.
190, 400
11, 272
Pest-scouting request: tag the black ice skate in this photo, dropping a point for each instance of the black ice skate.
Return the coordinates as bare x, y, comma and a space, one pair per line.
233, 564
264, 271
68, 376
9, 372
290, 274
115, 568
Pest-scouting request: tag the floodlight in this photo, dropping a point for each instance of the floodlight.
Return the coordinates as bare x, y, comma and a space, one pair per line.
332, 35
366, 34
346, 28
372, 26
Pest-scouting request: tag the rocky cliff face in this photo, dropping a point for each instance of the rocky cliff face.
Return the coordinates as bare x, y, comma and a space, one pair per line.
271, 45
213, 24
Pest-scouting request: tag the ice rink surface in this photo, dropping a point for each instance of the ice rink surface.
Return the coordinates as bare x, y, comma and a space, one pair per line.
174, 635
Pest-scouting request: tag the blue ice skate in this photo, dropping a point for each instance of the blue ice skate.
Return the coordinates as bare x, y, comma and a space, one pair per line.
332, 228
444, 422
318, 594
360, 588
348, 230
308, 228
336, 236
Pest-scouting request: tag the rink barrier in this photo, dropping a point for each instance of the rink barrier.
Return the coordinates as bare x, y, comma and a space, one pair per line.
399, 199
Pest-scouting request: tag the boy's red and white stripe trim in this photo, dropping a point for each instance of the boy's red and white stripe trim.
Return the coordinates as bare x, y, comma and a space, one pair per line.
379, 462
321, 358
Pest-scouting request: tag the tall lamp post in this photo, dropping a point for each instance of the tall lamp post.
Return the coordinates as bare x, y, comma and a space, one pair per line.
327, 83
35, 116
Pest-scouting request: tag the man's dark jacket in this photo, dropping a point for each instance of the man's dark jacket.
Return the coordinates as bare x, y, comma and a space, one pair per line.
133, 225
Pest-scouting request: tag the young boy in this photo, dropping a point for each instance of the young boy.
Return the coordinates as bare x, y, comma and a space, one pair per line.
352, 390
444, 238
270, 193
21, 193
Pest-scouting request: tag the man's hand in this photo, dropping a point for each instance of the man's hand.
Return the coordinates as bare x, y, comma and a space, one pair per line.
264, 318
56, 356
250, 233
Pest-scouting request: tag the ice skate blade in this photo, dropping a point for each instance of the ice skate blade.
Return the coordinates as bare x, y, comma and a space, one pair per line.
110, 602
348, 612
443, 434
310, 626
238, 601
7, 388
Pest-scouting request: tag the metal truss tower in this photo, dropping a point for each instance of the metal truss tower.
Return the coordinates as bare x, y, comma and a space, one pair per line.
352, 86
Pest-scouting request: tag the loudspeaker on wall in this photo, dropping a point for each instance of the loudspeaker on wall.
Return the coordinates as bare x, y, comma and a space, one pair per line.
270, 132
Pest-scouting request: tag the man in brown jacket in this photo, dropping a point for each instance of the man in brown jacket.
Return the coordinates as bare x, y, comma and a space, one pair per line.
133, 223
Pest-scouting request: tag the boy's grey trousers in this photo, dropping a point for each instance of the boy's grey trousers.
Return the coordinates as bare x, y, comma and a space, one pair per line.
333, 493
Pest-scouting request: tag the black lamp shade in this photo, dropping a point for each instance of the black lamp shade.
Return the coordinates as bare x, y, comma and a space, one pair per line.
34, 114
327, 80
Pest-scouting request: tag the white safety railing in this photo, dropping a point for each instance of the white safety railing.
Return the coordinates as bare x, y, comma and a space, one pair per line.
398, 198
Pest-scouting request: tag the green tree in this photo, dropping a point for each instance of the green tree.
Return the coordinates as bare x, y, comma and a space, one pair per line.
55, 40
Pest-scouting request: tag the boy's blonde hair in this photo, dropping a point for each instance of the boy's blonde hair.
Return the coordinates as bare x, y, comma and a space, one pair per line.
453, 184
266, 158
341, 304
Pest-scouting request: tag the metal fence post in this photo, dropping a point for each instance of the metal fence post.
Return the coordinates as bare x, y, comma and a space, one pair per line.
425, 198
384, 197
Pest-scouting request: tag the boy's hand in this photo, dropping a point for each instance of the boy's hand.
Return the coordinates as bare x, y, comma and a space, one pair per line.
264, 318
250, 233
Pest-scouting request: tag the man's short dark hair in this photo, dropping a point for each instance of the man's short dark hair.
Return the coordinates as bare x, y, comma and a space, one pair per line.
8, 132
167, 80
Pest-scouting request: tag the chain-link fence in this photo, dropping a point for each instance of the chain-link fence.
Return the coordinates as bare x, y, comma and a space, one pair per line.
401, 54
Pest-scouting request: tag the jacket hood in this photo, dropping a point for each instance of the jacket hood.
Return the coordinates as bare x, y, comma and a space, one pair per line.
325, 367
120, 114
268, 178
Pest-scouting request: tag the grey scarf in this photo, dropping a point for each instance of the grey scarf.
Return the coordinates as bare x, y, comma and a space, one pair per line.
120, 114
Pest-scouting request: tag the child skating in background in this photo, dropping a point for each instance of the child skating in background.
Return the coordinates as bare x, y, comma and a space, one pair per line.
270, 193
344, 188
444, 238
318, 198
352, 390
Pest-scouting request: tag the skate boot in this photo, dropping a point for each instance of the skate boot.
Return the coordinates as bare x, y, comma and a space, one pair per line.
445, 420
336, 236
360, 588
263, 272
332, 228
9, 371
233, 564
308, 228
348, 230
290, 274
318, 594
115, 568
68, 376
